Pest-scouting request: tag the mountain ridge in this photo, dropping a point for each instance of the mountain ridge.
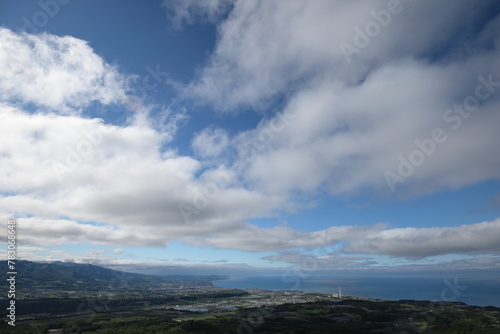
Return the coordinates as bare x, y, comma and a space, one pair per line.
72, 276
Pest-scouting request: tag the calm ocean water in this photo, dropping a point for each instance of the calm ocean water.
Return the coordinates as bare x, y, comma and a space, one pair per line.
472, 292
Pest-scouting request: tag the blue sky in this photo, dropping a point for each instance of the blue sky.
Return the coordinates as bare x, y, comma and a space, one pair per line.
224, 135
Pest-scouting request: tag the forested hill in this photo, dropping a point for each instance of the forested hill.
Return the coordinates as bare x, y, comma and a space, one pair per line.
76, 276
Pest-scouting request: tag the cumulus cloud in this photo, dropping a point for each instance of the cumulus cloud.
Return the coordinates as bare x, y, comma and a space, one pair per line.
97, 257
54, 232
88, 171
357, 117
313, 262
254, 239
267, 48
343, 124
30, 249
187, 11
480, 238
210, 142
58, 73
410, 243
346, 139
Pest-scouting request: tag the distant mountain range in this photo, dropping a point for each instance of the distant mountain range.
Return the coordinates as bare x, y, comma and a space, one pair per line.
75, 276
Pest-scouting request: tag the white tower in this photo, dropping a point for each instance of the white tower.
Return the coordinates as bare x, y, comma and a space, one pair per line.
340, 293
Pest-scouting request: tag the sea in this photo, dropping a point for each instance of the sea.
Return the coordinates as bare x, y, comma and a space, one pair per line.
480, 292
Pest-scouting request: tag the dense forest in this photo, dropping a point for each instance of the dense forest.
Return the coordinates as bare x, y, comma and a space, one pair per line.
347, 316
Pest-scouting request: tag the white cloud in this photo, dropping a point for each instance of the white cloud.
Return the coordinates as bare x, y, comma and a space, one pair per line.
267, 48
313, 262
353, 120
210, 142
54, 232
187, 11
254, 239
117, 177
345, 139
30, 249
480, 238
93, 182
59, 73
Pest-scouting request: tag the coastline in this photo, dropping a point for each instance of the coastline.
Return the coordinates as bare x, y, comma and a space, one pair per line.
474, 293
